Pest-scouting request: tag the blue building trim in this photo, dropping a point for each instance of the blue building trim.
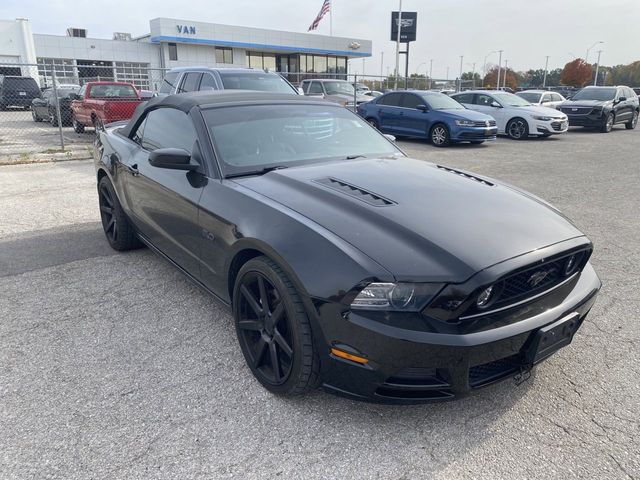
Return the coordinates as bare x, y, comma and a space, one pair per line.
226, 43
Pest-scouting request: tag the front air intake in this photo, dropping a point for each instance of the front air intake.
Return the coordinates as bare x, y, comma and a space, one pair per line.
355, 192
465, 175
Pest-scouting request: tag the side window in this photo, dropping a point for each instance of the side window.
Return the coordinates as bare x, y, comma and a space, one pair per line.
169, 82
412, 101
556, 97
168, 128
629, 93
315, 88
392, 99
173, 51
482, 99
545, 98
464, 98
190, 82
208, 82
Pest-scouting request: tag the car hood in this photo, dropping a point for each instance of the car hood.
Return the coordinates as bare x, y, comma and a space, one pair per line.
539, 110
420, 221
466, 114
586, 103
343, 97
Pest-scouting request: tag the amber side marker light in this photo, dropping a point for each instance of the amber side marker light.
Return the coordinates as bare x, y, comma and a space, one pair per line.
348, 356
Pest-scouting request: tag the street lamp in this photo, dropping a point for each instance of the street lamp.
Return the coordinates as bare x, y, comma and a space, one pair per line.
595, 80
586, 57
430, 73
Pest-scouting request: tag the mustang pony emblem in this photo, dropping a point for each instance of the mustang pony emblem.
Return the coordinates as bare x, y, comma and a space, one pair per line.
538, 277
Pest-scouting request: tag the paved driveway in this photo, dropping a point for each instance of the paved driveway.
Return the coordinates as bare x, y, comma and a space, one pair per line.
116, 366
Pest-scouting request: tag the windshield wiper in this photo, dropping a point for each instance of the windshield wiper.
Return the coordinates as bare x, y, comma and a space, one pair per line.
353, 157
262, 171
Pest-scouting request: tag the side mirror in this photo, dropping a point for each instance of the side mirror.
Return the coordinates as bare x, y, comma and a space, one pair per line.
622, 99
391, 138
173, 158
422, 108
496, 104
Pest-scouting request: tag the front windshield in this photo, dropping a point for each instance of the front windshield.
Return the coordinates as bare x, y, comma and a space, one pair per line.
440, 101
264, 82
530, 97
337, 88
251, 138
511, 100
599, 94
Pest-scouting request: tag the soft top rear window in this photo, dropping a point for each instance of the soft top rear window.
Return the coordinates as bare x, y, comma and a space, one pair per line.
265, 82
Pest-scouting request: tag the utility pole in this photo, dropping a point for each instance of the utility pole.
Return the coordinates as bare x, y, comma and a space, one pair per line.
395, 83
504, 76
595, 80
460, 76
473, 74
363, 66
499, 67
381, 64
546, 67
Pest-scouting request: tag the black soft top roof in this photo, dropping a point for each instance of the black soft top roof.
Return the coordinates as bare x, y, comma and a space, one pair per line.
186, 101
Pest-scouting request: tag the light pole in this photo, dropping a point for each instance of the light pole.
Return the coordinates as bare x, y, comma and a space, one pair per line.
381, 68
484, 65
586, 57
418, 68
430, 73
595, 80
473, 73
499, 67
546, 67
504, 76
460, 76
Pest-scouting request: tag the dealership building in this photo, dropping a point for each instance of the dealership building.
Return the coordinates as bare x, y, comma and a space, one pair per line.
171, 43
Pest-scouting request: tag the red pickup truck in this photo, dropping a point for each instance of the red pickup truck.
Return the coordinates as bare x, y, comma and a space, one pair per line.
99, 103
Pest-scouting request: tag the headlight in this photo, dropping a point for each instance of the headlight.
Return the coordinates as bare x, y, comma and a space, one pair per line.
410, 297
465, 123
543, 119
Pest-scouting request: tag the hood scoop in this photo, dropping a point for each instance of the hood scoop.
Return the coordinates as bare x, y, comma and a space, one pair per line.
355, 192
466, 175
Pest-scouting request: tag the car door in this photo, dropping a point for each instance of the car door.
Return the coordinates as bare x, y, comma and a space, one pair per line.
164, 202
412, 121
390, 106
488, 105
624, 109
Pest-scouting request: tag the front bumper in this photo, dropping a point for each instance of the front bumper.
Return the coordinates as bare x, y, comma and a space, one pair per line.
468, 134
552, 127
593, 120
415, 366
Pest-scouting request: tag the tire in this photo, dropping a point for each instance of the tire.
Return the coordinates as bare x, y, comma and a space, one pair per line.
439, 135
373, 122
97, 124
607, 126
517, 128
77, 127
35, 116
53, 118
3, 107
631, 124
286, 343
117, 228
476, 142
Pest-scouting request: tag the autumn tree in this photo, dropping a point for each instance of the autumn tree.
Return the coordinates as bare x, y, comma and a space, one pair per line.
506, 80
576, 73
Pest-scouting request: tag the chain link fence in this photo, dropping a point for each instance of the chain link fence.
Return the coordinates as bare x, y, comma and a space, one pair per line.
38, 115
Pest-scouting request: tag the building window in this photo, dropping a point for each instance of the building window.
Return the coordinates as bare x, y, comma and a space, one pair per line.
224, 55
173, 51
269, 61
133, 72
64, 68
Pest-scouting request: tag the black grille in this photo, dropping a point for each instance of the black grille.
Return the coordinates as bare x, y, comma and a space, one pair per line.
491, 123
356, 192
487, 373
576, 110
556, 126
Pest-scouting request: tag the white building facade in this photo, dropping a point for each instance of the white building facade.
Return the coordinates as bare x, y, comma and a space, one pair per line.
172, 43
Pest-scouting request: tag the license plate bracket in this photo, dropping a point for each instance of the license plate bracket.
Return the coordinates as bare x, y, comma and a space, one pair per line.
551, 338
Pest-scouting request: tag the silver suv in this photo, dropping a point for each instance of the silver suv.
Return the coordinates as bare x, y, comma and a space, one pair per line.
337, 91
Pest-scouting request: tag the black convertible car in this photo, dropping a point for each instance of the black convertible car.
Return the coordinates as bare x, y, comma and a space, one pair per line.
346, 264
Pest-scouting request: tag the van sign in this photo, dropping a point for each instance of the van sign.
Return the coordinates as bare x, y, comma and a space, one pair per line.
186, 29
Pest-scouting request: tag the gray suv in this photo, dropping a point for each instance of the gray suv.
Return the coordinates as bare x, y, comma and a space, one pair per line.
192, 79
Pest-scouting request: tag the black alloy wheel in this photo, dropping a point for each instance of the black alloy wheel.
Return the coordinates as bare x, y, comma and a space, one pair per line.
77, 127
631, 124
518, 128
273, 329
608, 123
117, 228
53, 118
440, 135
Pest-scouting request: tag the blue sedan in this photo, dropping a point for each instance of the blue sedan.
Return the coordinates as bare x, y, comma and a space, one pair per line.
430, 115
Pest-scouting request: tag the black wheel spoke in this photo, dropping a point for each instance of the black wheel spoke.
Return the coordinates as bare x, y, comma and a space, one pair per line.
251, 300
254, 325
282, 342
264, 298
107, 210
275, 361
110, 223
277, 314
259, 352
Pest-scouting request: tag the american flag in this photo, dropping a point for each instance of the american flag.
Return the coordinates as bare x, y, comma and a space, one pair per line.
326, 6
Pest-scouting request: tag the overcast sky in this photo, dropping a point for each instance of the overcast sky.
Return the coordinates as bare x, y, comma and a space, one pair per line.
527, 31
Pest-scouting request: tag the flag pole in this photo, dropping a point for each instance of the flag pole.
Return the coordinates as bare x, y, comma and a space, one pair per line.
331, 20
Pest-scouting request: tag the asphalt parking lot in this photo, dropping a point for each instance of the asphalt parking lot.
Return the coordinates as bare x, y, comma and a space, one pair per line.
116, 366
